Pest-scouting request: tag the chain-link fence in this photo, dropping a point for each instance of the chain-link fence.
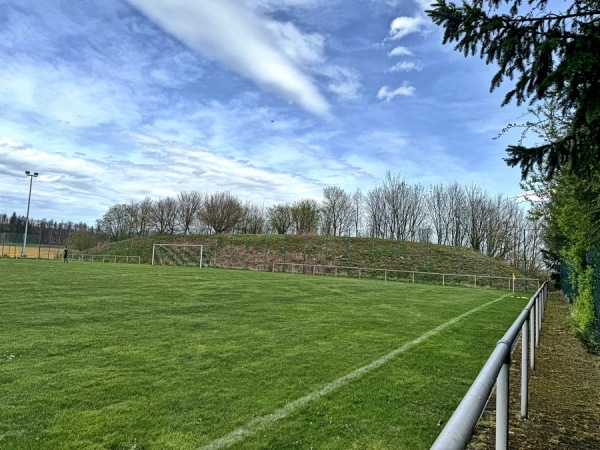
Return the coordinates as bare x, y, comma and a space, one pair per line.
47, 243
593, 258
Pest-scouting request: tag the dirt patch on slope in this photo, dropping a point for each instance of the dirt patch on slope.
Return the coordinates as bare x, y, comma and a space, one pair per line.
564, 393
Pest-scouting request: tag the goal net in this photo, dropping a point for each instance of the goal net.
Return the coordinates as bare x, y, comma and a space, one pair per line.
177, 255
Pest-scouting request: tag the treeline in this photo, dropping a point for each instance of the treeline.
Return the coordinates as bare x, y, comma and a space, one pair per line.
46, 227
48, 232
442, 214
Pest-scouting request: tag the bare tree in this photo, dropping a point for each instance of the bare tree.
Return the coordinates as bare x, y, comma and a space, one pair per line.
116, 222
504, 217
133, 211
305, 216
414, 212
376, 213
438, 213
164, 215
221, 211
358, 201
336, 211
532, 243
280, 218
394, 193
458, 214
254, 219
145, 215
402, 208
187, 209
446, 213
478, 211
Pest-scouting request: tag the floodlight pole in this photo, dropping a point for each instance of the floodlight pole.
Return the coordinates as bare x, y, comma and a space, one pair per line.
31, 177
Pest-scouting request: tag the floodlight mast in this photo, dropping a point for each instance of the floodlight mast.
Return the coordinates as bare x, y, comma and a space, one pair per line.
31, 177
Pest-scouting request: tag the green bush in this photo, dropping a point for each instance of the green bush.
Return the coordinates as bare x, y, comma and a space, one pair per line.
583, 304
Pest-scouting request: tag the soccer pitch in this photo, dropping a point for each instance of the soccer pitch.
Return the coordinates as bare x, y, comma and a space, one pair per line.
109, 356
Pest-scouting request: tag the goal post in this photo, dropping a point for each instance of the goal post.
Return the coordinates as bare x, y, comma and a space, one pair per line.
177, 255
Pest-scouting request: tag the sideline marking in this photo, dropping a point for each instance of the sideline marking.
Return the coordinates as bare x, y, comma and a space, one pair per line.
260, 423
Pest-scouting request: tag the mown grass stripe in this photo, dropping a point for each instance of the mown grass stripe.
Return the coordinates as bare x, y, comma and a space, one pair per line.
260, 423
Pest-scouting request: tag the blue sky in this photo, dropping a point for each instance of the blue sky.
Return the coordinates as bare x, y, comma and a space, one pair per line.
112, 101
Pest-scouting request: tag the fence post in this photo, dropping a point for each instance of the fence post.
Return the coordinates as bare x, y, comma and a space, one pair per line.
544, 298
524, 368
532, 337
538, 321
502, 391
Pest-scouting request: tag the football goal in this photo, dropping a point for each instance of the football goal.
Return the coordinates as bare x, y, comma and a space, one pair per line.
177, 255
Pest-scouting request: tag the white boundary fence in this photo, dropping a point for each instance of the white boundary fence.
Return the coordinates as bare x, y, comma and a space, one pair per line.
407, 275
459, 429
106, 258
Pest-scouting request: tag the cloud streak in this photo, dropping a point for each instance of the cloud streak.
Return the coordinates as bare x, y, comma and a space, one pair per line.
236, 36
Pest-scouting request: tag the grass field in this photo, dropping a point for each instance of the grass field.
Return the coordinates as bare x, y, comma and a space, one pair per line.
108, 356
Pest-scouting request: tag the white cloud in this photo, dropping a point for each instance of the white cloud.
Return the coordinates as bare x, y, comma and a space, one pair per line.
303, 49
403, 26
344, 82
60, 94
400, 51
386, 94
231, 33
49, 165
405, 66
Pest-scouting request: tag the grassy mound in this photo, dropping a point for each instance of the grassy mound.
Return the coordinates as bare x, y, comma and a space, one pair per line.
261, 251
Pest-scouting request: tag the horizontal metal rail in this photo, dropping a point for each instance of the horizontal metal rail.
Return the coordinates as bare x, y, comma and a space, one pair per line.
459, 429
315, 269
105, 258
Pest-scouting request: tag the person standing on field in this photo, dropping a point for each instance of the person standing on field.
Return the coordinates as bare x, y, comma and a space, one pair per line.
66, 255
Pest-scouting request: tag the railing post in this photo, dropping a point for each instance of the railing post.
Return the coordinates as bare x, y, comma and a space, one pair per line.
538, 321
524, 368
532, 337
544, 299
502, 405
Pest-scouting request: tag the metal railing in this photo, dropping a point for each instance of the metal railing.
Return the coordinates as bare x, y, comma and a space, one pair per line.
459, 429
409, 275
106, 258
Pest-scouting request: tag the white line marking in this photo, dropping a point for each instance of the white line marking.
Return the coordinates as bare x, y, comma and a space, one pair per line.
260, 423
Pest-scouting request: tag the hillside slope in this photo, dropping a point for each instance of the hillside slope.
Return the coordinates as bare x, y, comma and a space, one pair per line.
261, 251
